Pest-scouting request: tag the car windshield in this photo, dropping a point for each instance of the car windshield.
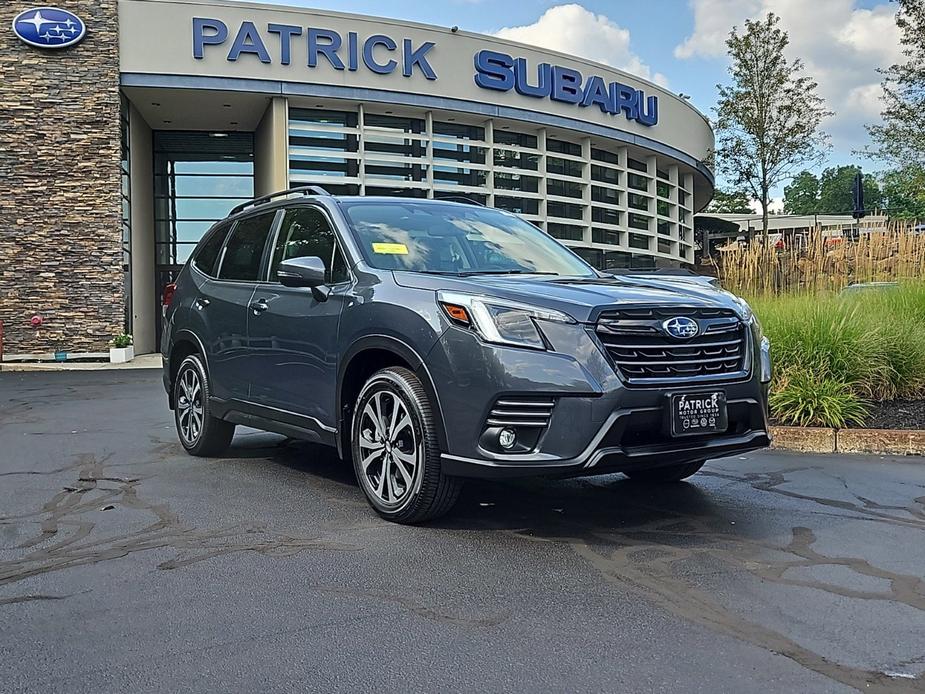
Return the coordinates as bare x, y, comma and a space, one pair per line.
456, 240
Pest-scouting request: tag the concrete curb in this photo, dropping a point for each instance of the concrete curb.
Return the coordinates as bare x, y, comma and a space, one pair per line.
144, 361
824, 440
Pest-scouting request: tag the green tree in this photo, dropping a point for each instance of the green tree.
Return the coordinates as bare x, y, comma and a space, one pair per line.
900, 138
729, 202
768, 119
904, 192
835, 191
802, 195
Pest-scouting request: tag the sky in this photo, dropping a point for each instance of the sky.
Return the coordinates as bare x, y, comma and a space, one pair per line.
680, 44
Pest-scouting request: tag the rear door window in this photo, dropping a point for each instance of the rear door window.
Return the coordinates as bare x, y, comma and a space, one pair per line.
243, 254
207, 253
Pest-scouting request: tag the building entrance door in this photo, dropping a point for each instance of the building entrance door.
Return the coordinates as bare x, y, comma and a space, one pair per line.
198, 178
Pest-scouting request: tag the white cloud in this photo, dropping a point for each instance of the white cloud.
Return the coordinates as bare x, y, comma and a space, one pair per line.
842, 46
574, 30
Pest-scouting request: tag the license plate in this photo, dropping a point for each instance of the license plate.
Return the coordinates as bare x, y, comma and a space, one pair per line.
698, 413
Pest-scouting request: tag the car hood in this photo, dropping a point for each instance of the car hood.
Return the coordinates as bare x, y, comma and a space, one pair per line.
580, 297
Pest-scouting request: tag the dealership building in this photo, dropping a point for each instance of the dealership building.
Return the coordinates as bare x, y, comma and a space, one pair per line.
131, 128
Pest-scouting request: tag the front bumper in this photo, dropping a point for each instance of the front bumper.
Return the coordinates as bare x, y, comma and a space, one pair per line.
597, 425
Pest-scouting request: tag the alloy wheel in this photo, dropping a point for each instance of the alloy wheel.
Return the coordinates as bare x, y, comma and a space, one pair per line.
189, 406
390, 452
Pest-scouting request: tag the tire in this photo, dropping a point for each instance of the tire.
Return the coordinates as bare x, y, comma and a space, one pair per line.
200, 433
397, 463
666, 474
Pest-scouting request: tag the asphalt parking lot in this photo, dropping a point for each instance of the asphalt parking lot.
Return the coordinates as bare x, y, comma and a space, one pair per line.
126, 565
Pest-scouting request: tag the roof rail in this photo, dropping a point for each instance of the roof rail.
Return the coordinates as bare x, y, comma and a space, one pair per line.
463, 199
300, 190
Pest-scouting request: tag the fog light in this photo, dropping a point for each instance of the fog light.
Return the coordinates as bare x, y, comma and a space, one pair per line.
507, 438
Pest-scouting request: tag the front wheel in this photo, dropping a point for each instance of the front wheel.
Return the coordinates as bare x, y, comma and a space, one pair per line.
396, 455
668, 473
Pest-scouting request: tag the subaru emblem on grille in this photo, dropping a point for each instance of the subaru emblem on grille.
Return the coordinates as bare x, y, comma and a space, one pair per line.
681, 327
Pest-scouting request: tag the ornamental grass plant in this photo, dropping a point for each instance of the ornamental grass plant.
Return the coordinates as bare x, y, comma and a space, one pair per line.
834, 354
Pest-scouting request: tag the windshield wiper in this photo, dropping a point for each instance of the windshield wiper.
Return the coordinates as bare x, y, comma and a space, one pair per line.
505, 272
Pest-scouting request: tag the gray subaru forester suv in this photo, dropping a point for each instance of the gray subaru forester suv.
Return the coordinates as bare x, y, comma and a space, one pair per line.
430, 341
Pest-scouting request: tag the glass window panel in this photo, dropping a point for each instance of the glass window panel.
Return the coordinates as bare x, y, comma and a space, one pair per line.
638, 221
205, 186
636, 165
563, 147
506, 137
638, 202
408, 125
617, 259
344, 119
604, 155
664, 228
305, 232
602, 173
459, 152
608, 236
320, 139
208, 253
396, 170
194, 208
663, 208
608, 195
173, 253
664, 246
324, 166
592, 256
661, 173
518, 205
567, 189
512, 181
639, 241
516, 160
565, 231
637, 182
458, 130
564, 167
563, 209
244, 250
217, 167
460, 176
605, 215
662, 189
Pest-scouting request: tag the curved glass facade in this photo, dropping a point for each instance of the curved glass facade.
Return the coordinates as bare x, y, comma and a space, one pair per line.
617, 205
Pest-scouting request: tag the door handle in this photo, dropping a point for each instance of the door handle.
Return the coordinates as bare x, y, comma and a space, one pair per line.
200, 303
259, 306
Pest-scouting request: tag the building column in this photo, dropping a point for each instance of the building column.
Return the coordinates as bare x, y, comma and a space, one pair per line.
271, 148
141, 170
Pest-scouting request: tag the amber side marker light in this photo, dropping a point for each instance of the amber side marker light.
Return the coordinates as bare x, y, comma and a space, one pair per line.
457, 313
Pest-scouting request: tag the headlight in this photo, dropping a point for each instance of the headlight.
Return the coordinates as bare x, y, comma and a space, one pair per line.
498, 320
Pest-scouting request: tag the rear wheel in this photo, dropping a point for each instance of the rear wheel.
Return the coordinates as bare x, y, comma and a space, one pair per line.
396, 455
200, 433
668, 473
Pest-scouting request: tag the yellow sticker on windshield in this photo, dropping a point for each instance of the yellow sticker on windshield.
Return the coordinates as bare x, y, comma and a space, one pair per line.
390, 248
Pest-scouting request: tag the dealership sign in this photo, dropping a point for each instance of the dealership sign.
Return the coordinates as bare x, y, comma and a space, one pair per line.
384, 55
49, 27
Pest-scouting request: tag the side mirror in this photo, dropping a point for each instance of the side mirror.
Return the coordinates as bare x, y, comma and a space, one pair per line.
304, 272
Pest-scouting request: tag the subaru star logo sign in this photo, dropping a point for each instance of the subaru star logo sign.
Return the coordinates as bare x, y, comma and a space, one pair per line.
49, 27
681, 327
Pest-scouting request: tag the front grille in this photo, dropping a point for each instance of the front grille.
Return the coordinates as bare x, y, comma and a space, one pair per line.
521, 412
645, 354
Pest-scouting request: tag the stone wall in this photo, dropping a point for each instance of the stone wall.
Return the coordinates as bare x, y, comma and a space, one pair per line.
60, 204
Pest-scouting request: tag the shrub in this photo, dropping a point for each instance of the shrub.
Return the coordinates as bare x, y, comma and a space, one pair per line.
806, 399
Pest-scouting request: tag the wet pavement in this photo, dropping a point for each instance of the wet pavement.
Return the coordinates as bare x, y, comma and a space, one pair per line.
126, 565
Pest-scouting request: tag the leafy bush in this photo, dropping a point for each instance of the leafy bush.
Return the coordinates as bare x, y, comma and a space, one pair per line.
834, 352
121, 341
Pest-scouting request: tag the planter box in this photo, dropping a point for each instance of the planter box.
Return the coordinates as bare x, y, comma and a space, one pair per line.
121, 355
